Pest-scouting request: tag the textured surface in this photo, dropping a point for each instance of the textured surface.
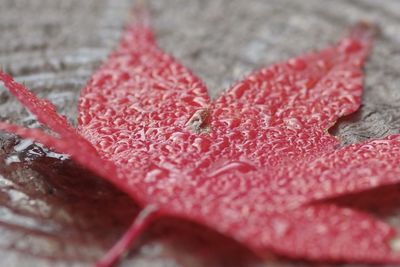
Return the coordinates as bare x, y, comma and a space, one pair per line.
377, 117
219, 162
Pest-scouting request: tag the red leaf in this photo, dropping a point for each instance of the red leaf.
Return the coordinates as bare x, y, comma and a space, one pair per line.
251, 165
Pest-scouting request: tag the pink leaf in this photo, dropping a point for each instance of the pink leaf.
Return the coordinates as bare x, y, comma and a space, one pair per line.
251, 165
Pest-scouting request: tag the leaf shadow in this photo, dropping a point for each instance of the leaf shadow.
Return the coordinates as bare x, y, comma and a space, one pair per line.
51, 208
185, 243
381, 202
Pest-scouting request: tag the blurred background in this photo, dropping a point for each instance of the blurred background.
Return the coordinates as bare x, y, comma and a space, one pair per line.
47, 219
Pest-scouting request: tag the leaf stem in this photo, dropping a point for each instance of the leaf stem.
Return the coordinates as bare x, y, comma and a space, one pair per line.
141, 221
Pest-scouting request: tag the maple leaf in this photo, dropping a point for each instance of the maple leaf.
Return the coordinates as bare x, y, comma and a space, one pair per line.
253, 164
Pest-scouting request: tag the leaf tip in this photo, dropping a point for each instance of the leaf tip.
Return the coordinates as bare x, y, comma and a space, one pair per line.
365, 29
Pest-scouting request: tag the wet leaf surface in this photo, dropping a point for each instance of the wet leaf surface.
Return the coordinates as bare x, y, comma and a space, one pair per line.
381, 122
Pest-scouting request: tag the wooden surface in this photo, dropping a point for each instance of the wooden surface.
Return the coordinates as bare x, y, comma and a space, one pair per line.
54, 45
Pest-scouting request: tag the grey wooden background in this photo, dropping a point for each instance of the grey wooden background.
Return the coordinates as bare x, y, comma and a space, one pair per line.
54, 45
